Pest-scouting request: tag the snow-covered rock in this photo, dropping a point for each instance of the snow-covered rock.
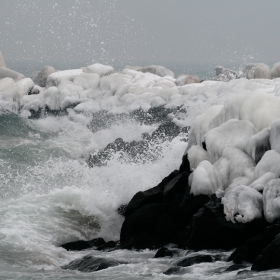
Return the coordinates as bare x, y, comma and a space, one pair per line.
224, 74
154, 69
2, 61
40, 78
186, 79
17, 90
275, 71
256, 71
99, 69
271, 200
242, 204
56, 78
8, 73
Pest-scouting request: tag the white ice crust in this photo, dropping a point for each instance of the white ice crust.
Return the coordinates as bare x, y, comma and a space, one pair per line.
271, 200
242, 204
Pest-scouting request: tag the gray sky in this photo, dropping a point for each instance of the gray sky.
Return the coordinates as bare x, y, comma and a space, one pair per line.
140, 31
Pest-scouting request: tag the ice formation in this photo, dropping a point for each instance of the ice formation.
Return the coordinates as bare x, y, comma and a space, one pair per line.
275, 71
233, 145
2, 61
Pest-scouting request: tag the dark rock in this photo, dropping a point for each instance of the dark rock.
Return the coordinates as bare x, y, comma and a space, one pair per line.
90, 264
121, 210
248, 251
194, 260
210, 230
235, 267
173, 270
269, 257
143, 220
185, 166
82, 245
143, 240
153, 195
191, 204
242, 272
107, 246
271, 231
164, 252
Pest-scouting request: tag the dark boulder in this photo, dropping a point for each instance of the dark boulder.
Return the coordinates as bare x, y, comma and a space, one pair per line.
271, 231
236, 267
164, 252
90, 264
174, 270
143, 220
142, 240
269, 257
194, 260
82, 244
157, 212
153, 195
107, 246
210, 230
248, 251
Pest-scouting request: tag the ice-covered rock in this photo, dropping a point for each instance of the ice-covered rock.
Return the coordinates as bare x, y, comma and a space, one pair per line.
275, 71
154, 69
99, 69
40, 78
2, 61
259, 144
8, 73
6, 83
224, 74
271, 200
256, 106
17, 90
270, 162
205, 179
242, 204
196, 155
87, 81
260, 183
256, 71
274, 138
56, 78
200, 126
186, 79
233, 133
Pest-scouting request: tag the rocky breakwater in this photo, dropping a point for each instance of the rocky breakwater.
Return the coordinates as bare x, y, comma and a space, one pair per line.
225, 194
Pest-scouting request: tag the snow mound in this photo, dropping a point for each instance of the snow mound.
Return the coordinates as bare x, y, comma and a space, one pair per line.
99, 69
242, 204
271, 200
8, 73
2, 61
56, 78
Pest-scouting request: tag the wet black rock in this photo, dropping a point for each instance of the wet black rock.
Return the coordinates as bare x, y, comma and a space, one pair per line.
90, 264
164, 252
153, 195
82, 244
107, 246
236, 267
174, 270
156, 212
195, 259
269, 257
248, 251
210, 230
271, 231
